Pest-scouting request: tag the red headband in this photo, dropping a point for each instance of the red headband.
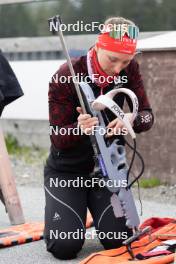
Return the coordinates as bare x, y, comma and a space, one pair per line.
126, 45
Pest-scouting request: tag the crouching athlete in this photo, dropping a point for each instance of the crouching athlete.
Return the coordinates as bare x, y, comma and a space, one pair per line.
71, 155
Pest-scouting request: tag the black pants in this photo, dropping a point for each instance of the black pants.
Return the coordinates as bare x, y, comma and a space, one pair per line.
65, 214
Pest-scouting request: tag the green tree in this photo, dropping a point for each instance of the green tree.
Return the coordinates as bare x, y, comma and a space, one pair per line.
31, 19
16, 21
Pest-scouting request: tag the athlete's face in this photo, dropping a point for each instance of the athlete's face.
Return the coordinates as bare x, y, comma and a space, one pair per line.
112, 62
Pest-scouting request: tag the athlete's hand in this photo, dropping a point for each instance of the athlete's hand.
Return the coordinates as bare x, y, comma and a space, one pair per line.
85, 121
116, 125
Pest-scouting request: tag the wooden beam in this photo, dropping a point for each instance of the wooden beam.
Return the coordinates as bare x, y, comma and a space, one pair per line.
8, 186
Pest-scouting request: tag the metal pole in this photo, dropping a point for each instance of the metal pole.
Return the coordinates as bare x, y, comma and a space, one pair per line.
57, 19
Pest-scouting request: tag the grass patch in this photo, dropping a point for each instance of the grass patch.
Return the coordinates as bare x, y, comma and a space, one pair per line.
28, 154
149, 183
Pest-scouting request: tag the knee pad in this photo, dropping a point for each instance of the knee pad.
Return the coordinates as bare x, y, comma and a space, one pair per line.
64, 248
116, 240
111, 244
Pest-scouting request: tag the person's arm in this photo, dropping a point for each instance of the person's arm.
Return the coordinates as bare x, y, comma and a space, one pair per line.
145, 118
10, 88
62, 113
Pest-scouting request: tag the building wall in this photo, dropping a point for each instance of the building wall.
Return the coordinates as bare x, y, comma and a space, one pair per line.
28, 132
158, 145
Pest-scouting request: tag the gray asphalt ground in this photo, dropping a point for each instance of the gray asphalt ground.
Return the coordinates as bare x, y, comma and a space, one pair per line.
32, 199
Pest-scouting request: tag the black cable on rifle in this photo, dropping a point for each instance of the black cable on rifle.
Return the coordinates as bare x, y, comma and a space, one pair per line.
132, 159
140, 174
140, 158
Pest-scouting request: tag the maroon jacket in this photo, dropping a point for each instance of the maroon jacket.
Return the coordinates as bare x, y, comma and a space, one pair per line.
63, 101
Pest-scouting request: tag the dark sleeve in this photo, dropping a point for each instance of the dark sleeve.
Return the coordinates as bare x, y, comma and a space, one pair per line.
145, 118
62, 114
10, 88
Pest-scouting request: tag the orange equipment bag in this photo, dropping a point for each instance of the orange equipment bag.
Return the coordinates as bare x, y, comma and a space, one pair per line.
28, 232
163, 234
20, 234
